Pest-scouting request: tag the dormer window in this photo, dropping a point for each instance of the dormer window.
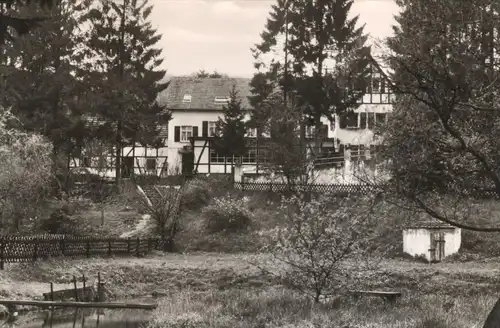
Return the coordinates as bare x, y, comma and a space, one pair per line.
221, 100
186, 99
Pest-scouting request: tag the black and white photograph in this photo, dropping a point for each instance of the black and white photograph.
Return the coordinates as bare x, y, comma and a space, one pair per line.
250, 163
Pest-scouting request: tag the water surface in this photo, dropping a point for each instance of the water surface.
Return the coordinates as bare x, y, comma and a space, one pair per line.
81, 318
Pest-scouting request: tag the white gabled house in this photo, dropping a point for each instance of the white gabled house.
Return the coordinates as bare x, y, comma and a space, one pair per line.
196, 105
348, 142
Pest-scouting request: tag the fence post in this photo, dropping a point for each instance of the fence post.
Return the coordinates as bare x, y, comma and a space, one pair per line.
128, 245
35, 250
88, 248
2, 253
62, 245
52, 292
76, 290
109, 247
137, 247
270, 186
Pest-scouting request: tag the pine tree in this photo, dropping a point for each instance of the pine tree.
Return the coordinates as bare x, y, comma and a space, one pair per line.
126, 80
231, 130
442, 138
324, 57
10, 22
42, 87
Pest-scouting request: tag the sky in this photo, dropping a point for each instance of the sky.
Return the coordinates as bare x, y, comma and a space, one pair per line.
218, 34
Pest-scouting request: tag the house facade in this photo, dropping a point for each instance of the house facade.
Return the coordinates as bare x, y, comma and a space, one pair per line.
196, 104
348, 144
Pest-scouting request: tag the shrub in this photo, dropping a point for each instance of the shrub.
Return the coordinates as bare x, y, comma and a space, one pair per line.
319, 235
25, 178
196, 194
226, 214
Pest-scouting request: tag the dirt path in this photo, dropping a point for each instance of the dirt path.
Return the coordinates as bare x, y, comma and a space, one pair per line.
141, 225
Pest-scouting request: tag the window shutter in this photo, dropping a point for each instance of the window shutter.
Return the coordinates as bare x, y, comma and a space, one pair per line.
342, 121
177, 134
362, 123
195, 131
204, 129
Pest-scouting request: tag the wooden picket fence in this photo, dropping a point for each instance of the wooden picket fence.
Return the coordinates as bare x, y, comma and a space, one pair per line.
16, 249
315, 188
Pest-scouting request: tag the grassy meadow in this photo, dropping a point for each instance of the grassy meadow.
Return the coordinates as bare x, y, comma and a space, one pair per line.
211, 281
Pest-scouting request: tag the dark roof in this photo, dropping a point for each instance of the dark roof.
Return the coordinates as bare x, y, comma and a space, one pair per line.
203, 92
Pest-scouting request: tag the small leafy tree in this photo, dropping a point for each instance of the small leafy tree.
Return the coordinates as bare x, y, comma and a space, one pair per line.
231, 130
284, 154
164, 210
25, 178
325, 245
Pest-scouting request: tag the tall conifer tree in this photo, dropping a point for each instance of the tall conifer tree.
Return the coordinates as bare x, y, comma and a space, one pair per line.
127, 77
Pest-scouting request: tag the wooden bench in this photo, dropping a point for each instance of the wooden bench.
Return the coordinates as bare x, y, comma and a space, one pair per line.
388, 296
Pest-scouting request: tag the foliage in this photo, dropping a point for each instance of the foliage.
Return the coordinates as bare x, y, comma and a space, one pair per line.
126, 80
204, 74
26, 176
283, 150
325, 243
441, 139
228, 215
315, 34
165, 214
41, 67
196, 194
9, 22
230, 130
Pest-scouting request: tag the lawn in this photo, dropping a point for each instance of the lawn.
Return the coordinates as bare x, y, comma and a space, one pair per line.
221, 290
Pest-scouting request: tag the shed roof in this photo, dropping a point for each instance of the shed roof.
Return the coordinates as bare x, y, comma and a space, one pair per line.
203, 92
426, 222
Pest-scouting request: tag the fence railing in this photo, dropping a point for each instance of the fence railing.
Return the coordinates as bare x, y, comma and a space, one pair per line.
316, 188
15, 249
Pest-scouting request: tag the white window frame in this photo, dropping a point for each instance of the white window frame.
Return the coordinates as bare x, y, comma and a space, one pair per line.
187, 98
251, 133
212, 127
222, 100
309, 131
186, 133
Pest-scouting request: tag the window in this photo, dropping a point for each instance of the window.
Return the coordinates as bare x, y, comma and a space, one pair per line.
252, 132
186, 133
186, 99
150, 164
215, 157
380, 118
86, 161
351, 120
212, 127
250, 156
221, 100
309, 131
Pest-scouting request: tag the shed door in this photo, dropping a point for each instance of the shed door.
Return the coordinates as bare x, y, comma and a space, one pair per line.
437, 246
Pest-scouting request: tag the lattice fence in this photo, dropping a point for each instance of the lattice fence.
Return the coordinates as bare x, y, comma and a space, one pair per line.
315, 188
32, 248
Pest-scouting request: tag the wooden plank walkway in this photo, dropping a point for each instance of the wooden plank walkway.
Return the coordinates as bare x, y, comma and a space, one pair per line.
45, 304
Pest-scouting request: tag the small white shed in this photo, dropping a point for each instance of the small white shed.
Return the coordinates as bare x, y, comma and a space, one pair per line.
431, 239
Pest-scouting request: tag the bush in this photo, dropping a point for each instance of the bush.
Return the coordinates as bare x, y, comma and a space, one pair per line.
196, 194
26, 177
226, 214
319, 235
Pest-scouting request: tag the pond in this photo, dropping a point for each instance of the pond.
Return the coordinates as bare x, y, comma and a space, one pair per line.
81, 318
